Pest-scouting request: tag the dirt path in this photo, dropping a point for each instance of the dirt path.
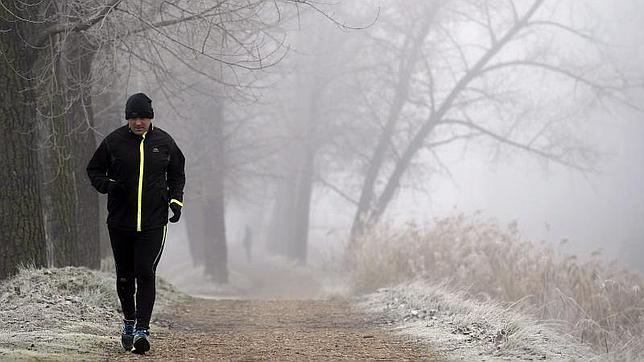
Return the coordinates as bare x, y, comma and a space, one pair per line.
297, 330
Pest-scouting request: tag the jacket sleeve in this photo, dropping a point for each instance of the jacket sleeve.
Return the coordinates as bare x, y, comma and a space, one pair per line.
176, 174
97, 168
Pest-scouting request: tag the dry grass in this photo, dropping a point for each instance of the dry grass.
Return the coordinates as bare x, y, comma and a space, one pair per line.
459, 328
600, 303
64, 314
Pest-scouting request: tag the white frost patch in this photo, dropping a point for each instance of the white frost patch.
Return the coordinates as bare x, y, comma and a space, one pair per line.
64, 314
462, 329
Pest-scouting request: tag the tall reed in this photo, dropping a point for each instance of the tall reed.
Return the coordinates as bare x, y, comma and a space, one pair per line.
601, 303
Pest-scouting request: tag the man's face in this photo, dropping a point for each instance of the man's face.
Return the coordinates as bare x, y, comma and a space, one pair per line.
139, 125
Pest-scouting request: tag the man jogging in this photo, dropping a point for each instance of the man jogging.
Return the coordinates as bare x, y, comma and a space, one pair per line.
141, 169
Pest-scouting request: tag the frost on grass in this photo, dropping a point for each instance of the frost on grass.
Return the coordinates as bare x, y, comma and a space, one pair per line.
598, 303
66, 313
460, 328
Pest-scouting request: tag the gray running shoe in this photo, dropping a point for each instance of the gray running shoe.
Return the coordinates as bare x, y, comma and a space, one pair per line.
141, 341
127, 334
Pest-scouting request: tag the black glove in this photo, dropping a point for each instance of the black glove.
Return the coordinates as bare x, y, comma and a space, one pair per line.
176, 212
115, 188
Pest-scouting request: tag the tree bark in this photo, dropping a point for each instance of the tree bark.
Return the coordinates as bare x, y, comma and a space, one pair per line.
280, 235
302, 209
216, 249
70, 205
108, 115
205, 205
289, 230
216, 263
22, 240
196, 228
86, 250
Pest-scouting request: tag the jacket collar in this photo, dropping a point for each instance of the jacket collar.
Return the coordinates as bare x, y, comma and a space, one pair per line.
129, 131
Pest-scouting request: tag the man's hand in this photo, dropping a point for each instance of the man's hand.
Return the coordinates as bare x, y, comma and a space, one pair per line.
176, 211
115, 188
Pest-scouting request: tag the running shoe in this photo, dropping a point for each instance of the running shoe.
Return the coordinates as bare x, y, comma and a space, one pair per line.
141, 341
127, 334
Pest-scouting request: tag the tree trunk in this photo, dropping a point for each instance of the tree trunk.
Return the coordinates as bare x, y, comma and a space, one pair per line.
80, 117
280, 235
216, 263
412, 51
108, 115
289, 229
205, 205
216, 249
196, 227
56, 178
70, 205
22, 240
301, 217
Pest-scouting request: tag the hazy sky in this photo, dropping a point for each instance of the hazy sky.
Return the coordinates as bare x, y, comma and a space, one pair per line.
552, 203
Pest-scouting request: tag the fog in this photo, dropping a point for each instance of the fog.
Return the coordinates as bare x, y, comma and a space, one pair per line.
467, 171
551, 203
600, 208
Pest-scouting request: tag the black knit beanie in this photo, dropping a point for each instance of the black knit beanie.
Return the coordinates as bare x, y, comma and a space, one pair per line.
139, 106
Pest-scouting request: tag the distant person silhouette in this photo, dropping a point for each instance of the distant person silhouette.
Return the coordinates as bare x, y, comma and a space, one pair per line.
248, 244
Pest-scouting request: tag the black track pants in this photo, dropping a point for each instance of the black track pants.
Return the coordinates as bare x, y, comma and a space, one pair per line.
136, 255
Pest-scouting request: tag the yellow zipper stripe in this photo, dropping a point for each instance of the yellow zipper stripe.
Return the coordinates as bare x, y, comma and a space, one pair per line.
140, 195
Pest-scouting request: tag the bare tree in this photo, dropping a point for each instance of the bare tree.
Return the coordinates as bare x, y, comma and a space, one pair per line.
22, 241
72, 49
315, 100
480, 69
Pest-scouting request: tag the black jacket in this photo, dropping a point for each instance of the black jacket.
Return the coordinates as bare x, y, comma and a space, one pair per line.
135, 204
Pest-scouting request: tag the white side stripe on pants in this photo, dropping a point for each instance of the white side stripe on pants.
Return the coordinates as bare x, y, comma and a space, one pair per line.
156, 260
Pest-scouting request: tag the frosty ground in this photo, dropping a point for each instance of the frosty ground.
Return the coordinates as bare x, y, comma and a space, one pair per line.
62, 314
71, 313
